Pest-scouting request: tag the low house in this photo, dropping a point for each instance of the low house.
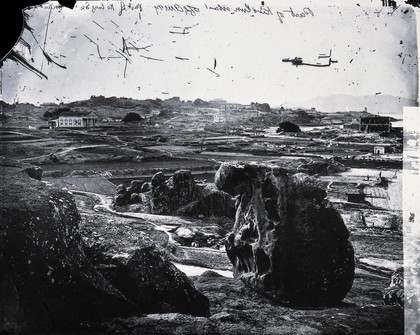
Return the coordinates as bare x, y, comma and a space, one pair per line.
397, 127
189, 111
207, 117
371, 124
379, 150
231, 105
52, 124
354, 124
220, 117
76, 119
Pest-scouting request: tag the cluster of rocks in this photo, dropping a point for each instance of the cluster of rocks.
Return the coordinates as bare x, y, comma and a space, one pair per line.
131, 194
287, 243
178, 195
47, 281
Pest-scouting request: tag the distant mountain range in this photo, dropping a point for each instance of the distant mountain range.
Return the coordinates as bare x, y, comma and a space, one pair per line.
381, 104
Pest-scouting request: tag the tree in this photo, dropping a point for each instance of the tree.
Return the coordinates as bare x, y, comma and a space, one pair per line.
288, 126
200, 103
52, 115
132, 117
264, 107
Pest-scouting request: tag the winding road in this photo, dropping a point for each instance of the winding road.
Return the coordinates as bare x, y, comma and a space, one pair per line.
160, 223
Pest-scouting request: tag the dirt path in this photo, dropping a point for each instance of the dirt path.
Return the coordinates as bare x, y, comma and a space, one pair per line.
159, 222
64, 151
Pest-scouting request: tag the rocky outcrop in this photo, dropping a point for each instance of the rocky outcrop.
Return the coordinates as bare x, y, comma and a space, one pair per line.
287, 242
129, 195
178, 195
47, 282
169, 196
181, 189
159, 202
209, 201
33, 172
181, 195
135, 186
237, 309
122, 197
152, 283
215, 202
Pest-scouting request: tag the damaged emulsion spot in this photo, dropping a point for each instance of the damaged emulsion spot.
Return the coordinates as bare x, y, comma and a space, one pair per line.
13, 21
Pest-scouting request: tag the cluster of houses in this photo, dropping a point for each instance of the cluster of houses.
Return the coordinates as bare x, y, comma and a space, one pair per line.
220, 111
371, 124
217, 111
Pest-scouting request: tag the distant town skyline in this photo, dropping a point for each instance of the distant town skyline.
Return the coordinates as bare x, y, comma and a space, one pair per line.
215, 53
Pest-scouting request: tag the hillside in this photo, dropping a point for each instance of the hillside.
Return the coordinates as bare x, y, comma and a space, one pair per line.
382, 104
123, 102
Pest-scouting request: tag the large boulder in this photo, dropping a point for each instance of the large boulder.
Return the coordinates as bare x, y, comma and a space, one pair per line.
215, 202
180, 195
33, 172
128, 195
122, 197
154, 284
121, 189
168, 196
47, 281
159, 201
181, 189
287, 242
135, 186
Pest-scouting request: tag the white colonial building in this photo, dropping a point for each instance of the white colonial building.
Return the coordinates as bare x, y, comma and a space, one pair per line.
75, 119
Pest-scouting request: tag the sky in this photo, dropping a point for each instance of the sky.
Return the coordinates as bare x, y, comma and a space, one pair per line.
210, 51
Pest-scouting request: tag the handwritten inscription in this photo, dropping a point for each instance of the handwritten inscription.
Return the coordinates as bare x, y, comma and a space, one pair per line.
290, 12
265, 10
176, 8
126, 7
262, 10
122, 7
49, 6
248, 9
94, 6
